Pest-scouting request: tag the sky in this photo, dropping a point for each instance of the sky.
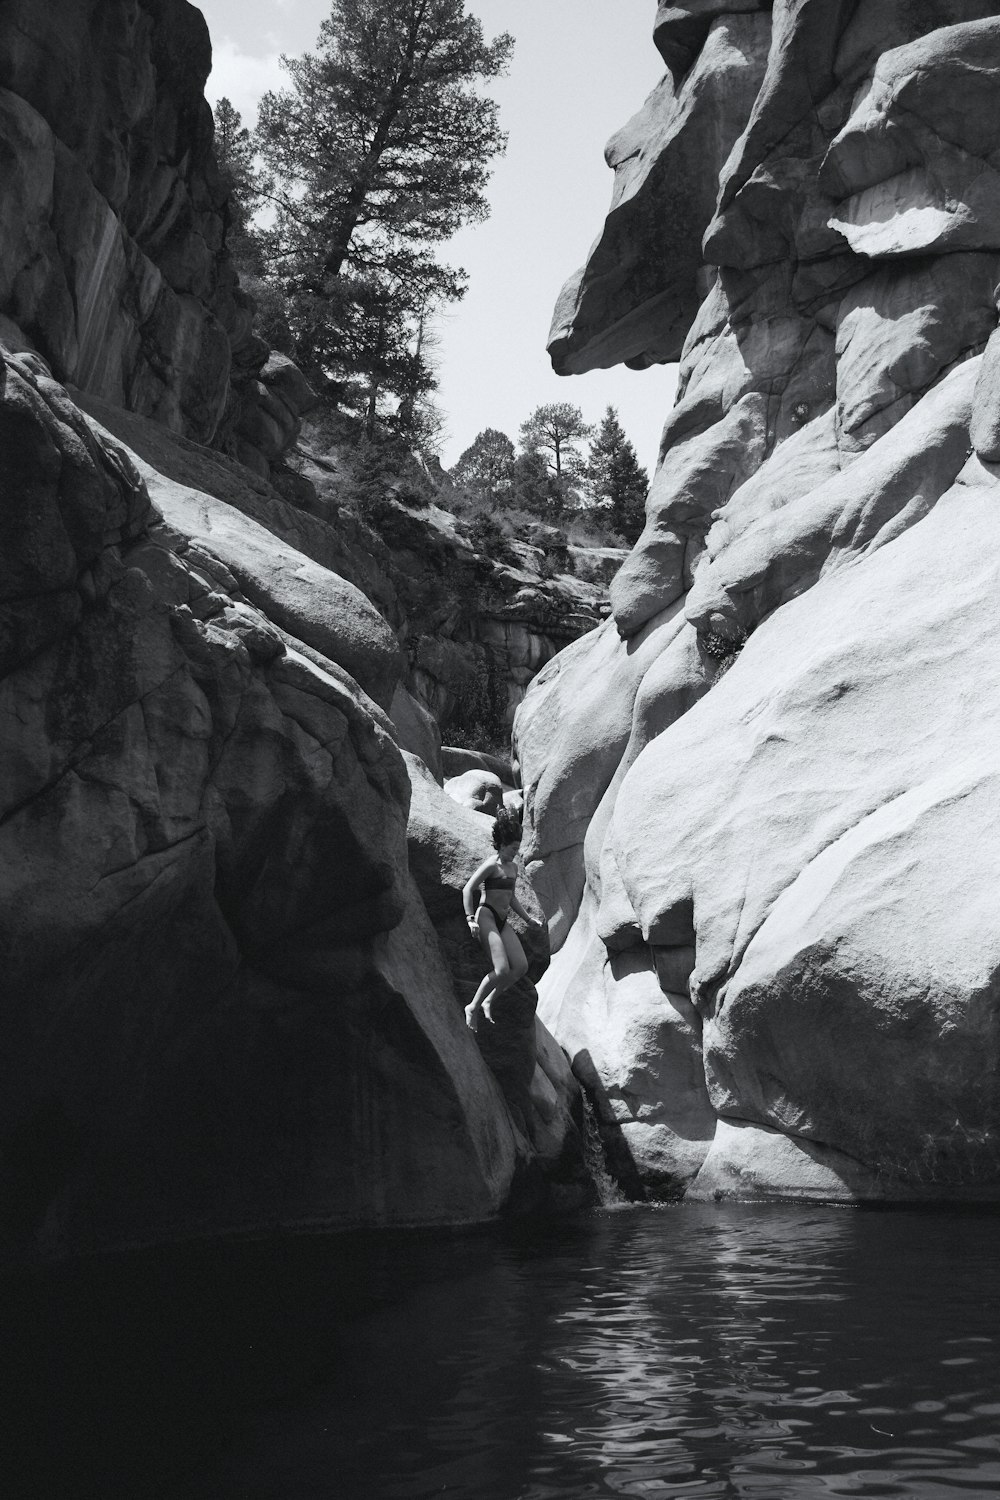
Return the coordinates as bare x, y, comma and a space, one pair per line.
580, 69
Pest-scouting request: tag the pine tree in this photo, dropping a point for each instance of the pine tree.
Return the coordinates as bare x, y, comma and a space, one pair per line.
234, 155
556, 430
615, 479
380, 148
487, 465
535, 487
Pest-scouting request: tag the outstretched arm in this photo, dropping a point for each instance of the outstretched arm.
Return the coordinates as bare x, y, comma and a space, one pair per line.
531, 921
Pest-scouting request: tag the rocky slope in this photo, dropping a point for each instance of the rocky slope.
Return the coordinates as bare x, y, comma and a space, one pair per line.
763, 796
230, 920
475, 626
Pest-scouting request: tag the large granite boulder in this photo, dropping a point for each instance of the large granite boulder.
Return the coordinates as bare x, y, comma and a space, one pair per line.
763, 830
479, 791
297, 594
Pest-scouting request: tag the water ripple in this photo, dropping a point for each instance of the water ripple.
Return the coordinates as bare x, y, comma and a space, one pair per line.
720, 1353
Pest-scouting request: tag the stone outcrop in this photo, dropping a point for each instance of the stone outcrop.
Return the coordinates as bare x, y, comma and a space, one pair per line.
112, 224
762, 797
637, 295
476, 628
472, 631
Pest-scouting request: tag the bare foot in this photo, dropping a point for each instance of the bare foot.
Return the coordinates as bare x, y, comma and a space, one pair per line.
488, 1011
471, 1017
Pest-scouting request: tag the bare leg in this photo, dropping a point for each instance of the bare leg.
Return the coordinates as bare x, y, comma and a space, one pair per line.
516, 967
496, 952
480, 999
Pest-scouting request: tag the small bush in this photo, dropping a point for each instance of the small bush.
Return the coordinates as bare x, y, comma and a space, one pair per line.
375, 474
592, 528
720, 646
723, 650
464, 500
486, 537
416, 496
371, 507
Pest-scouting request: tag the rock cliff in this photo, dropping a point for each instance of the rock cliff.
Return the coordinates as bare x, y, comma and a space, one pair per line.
112, 224
475, 626
230, 917
113, 266
763, 797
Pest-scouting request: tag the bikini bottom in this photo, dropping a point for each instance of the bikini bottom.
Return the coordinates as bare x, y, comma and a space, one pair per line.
501, 920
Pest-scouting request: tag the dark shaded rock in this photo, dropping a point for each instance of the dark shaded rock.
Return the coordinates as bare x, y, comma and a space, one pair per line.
112, 226
636, 296
446, 844
67, 500
456, 761
900, 330
417, 730
680, 31
225, 1006
475, 630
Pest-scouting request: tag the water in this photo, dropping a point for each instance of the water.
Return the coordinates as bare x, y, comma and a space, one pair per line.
716, 1351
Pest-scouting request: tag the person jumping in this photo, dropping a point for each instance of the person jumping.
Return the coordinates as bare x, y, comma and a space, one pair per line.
488, 898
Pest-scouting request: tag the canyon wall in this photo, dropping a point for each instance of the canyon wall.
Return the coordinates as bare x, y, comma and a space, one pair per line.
113, 266
234, 955
477, 614
763, 799
112, 224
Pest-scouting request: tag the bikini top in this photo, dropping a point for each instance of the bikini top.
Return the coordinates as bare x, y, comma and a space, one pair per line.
500, 882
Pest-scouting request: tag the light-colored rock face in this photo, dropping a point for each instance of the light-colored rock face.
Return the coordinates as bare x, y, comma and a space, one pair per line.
112, 223
761, 813
479, 791
915, 166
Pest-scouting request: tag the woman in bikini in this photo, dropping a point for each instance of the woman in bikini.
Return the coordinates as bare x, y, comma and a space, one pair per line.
489, 899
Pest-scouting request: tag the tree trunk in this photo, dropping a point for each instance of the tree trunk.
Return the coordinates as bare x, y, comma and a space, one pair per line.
371, 410
378, 356
344, 229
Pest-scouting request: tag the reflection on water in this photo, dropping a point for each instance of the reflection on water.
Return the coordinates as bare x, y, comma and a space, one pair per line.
716, 1351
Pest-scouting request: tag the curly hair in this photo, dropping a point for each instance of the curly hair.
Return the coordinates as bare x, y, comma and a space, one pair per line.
506, 828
